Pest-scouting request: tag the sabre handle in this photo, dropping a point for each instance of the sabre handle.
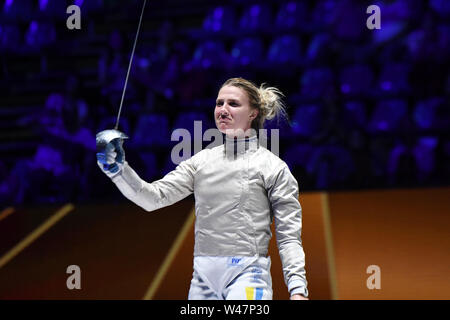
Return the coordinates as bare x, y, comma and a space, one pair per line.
112, 156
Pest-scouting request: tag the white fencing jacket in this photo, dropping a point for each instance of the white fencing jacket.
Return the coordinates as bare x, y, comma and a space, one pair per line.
239, 188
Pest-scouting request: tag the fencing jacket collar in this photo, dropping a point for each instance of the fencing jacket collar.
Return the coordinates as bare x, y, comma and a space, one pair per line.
235, 146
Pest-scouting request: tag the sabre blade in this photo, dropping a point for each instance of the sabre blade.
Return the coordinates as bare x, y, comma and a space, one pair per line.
129, 66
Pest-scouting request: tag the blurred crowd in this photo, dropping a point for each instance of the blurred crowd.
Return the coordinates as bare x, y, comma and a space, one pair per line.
367, 108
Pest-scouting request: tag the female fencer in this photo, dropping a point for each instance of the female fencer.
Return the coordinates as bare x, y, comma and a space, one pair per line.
240, 187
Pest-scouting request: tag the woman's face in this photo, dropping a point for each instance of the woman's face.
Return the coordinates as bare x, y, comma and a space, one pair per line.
233, 111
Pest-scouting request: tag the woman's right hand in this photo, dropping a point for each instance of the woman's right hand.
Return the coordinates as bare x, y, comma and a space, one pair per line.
111, 159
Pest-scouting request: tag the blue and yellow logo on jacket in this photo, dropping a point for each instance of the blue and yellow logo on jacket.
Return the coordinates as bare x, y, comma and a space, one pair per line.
253, 293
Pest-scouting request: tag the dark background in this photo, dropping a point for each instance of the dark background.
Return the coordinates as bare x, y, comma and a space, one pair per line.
368, 109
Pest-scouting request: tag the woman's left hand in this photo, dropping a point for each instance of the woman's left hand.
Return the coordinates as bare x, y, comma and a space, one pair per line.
298, 297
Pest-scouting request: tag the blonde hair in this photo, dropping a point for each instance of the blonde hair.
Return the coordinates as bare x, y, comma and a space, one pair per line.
267, 100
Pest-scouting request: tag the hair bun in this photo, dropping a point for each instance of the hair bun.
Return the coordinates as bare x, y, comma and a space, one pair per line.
271, 102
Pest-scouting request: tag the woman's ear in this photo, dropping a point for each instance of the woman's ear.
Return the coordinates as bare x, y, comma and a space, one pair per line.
254, 114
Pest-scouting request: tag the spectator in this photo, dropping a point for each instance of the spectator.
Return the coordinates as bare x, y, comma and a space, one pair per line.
112, 70
332, 166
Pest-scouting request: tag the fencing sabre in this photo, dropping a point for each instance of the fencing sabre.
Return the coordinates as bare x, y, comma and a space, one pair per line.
114, 135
